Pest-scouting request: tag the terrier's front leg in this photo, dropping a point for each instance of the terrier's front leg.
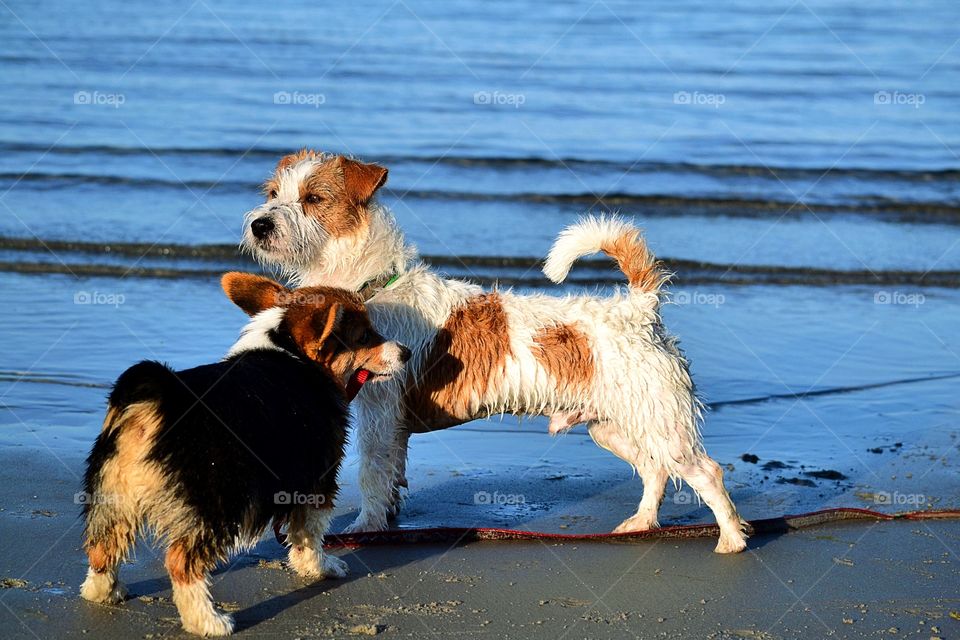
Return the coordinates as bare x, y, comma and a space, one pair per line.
399, 456
378, 474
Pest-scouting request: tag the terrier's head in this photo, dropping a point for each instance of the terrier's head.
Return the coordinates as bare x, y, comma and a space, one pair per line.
313, 201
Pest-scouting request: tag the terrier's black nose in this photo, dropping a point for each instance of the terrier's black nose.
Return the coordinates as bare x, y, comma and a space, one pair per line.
261, 227
404, 354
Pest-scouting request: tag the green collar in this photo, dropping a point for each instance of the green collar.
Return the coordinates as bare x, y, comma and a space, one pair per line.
371, 288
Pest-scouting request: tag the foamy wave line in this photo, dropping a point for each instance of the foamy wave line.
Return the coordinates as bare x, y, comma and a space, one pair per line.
913, 211
504, 162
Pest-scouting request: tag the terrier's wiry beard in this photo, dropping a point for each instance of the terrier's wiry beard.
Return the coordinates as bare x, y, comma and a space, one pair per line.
296, 242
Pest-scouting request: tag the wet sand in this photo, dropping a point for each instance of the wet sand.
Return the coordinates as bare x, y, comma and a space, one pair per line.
806, 416
852, 580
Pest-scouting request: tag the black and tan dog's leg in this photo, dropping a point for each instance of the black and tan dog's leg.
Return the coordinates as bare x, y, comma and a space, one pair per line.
105, 551
189, 568
308, 525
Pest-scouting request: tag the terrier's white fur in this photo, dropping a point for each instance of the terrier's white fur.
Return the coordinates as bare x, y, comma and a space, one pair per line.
640, 404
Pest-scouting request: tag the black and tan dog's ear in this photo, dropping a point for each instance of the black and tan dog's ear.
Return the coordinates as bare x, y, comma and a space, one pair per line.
361, 180
253, 293
329, 323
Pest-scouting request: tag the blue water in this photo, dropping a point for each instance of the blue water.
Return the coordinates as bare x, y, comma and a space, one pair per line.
808, 134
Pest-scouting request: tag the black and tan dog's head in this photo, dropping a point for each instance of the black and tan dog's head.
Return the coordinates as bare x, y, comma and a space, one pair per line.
327, 325
313, 202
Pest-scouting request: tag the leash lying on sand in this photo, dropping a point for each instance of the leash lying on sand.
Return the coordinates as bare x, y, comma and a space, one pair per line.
461, 535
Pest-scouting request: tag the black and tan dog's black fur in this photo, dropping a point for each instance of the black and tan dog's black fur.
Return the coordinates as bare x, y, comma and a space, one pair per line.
205, 458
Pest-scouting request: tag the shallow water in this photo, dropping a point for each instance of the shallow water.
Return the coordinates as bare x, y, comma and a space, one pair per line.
806, 151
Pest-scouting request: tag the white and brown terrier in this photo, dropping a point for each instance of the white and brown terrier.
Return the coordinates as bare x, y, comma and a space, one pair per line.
608, 362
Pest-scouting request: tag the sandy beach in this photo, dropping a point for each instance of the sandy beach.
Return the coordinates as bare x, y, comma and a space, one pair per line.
846, 580
882, 444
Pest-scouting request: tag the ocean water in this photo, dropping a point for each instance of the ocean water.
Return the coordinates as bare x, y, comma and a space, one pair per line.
795, 163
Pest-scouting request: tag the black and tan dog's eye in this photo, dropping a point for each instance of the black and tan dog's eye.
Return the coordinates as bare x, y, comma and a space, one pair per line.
313, 199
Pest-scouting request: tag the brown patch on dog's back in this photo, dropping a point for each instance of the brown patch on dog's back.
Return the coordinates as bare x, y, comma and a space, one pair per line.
564, 352
467, 357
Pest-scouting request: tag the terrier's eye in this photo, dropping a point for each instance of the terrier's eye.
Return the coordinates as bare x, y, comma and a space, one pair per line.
365, 338
272, 194
313, 199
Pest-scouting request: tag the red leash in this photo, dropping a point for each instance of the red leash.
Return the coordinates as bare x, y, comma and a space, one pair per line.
462, 535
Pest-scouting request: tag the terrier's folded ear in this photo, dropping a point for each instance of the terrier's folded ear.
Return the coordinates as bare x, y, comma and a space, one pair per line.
253, 293
360, 179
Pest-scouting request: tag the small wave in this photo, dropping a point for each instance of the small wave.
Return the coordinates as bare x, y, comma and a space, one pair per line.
512, 162
59, 180
213, 259
65, 379
912, 211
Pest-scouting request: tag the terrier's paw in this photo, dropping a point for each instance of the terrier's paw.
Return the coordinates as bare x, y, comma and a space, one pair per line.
734, 542
365, 523
334, 567
103, 588
637, 523
215, 624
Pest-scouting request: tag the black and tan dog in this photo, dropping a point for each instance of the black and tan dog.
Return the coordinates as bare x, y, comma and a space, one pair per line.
206, 458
